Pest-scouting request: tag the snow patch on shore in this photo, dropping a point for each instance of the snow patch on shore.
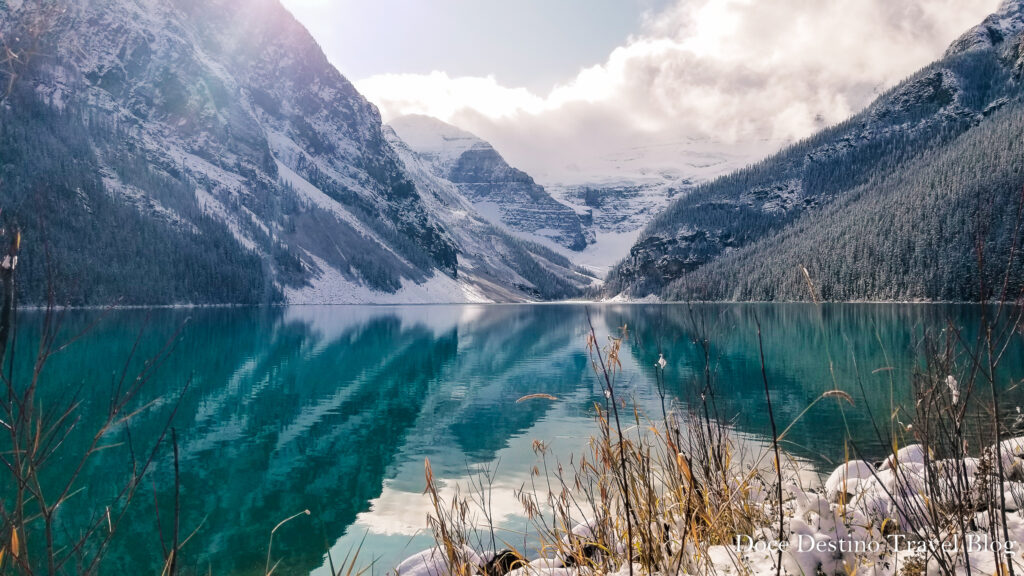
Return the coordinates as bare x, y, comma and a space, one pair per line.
889, 520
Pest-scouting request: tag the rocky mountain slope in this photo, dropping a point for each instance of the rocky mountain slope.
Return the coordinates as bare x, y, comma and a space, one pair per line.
507, 197
228, 146
614, 213
499, 264
591, 218
621, 192
889, 204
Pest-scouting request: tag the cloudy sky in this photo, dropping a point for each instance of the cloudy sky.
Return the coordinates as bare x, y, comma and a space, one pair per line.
564, 88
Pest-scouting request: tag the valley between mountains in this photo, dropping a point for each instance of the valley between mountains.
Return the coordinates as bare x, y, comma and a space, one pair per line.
181, 152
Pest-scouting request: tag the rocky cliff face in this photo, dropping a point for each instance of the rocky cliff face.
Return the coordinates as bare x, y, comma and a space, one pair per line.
497, 264
614, 213
504, 195
237, 107
1001, 31
612, 204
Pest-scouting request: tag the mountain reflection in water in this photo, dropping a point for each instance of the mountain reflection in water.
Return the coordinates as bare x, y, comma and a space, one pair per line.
335, 409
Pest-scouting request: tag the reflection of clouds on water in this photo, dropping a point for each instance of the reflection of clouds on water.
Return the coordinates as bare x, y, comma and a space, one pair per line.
473, 420
501, 358
399, 513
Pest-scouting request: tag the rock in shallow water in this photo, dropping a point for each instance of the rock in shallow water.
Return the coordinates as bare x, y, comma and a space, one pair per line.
502, 563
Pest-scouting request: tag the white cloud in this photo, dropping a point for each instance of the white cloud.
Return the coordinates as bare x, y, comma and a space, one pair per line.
438, 95
736, 71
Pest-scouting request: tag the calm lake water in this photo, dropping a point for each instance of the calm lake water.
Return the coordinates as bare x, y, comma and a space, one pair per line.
335, 409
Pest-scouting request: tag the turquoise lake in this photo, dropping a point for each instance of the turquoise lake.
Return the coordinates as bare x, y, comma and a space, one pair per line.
335, 409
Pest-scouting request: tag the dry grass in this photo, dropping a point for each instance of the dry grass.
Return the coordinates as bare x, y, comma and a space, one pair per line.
657, 492
657, 495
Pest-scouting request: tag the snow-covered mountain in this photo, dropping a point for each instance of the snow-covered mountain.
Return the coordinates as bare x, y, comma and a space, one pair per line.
623, 191
507, 197
221, 130
499, 264
590, 215
613, 214
889, 204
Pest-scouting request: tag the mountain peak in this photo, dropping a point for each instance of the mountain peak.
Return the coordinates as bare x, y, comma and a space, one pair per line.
435, 138
1011, 6
197, 123
999, 29
509, 198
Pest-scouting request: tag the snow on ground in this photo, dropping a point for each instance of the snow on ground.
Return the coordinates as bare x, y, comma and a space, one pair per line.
318, 198
607, 251
619, 191
491, 212
908, 516
624, 299
143, 202
634, 185
213, 207
331, 287
439, 141
315, 196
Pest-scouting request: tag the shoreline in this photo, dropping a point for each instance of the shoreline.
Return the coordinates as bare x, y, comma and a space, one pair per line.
876, 518
38, 308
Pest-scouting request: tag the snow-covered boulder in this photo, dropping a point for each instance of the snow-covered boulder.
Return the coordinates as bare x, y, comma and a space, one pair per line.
1012, 452
1014, 492
582, 541
912, 454
431, 562
848, 479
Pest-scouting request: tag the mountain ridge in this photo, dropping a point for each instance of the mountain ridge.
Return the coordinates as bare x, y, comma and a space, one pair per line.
611, 212
196, 111
751, 210
506, 196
